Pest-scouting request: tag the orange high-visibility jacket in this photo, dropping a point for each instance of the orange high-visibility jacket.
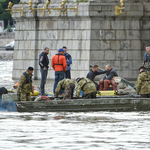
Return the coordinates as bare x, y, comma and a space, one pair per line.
59, 62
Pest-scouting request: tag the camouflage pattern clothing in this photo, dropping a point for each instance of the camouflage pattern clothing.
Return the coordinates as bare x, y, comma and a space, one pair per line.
88, 87
69, 91
143, 83
25, 88
65, 84
90, 95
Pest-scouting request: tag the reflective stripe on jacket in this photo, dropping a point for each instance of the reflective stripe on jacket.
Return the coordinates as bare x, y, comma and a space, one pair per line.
43, 60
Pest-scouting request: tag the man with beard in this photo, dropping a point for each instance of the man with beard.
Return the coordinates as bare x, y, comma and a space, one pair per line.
43, 62
108, 79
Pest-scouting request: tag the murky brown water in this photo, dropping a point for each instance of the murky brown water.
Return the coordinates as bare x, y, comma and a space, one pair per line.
72, 131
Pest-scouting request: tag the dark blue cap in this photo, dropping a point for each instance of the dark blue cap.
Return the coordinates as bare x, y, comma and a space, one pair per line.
61, 50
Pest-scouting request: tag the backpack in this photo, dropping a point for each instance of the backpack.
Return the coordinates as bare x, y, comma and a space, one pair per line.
3, 90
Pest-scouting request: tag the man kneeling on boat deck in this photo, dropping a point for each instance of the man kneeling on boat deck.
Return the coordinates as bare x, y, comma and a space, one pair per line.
25, 85
108, 79
143, 83
68, 85
87, 86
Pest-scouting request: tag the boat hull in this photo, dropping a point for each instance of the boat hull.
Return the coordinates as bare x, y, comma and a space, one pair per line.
84, 105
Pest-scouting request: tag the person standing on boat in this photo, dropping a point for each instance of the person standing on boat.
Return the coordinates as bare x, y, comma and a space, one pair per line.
59, 65
143, 83
108, 79
43, 62
25, 85
68, 85
69, 62
87, 86
94, 72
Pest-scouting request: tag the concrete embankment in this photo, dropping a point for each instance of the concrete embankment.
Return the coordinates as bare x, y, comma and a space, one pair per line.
6, 38
6, 55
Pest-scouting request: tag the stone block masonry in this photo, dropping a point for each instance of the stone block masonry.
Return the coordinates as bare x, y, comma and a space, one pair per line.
94, 36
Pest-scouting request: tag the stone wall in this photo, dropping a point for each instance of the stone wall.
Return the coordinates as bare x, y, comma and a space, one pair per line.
94, 36
34, 34
116, 40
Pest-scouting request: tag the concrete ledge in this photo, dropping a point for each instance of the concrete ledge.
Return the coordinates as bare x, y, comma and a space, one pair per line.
8, 55
7, 35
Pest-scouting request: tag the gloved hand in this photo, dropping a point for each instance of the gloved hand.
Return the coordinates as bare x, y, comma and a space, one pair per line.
44, 68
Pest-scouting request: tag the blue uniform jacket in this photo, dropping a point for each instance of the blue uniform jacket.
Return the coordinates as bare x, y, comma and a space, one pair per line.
69, 61
145, 57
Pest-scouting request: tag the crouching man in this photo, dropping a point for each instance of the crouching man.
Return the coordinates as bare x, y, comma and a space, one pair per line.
87, 86
108, 79
68, 85
143, 83
25, 85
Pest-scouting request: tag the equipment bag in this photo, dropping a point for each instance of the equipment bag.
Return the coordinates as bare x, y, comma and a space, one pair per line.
3, 90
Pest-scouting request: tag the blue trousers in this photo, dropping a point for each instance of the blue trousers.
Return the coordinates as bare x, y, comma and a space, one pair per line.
59, 75
43, 80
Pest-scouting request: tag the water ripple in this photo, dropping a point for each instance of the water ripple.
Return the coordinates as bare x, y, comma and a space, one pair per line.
93, 130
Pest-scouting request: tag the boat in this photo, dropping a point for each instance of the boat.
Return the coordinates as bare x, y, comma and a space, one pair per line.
106, 101
115, 103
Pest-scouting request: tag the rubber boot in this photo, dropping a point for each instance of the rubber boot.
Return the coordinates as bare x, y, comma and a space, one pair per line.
101, 85
114, 84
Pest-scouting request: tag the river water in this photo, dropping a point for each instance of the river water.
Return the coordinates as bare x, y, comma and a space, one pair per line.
72, 131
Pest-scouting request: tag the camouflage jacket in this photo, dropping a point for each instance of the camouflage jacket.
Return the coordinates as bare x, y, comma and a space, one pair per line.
85, 85
62, 85
23, 85
143, 83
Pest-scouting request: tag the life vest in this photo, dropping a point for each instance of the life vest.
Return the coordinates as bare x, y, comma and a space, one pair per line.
147, 73
86, 82
27, 78
40, 98
59, 62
